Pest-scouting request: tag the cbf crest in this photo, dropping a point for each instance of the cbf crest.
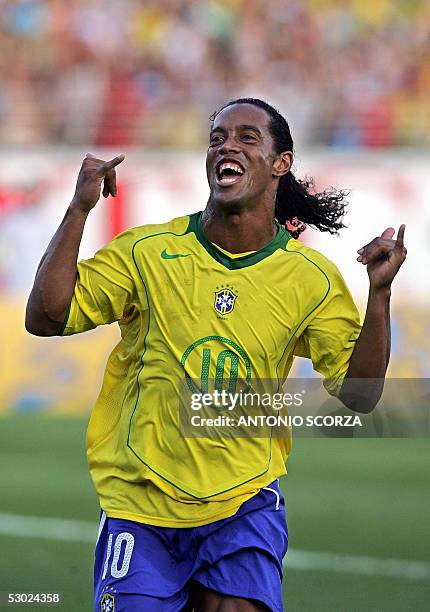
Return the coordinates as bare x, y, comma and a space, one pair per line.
225, 300
107, 603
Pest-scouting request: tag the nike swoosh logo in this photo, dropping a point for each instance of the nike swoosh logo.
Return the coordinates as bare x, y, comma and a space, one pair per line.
166, 255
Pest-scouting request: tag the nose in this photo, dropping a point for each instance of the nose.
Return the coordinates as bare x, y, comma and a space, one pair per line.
229, 145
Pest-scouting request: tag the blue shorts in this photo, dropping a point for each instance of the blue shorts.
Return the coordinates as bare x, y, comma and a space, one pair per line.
142, 567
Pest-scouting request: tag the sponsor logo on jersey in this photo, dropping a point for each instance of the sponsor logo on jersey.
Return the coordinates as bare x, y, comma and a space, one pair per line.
166, 255
225, 300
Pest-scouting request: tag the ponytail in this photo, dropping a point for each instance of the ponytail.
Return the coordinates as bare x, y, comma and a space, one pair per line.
298, 205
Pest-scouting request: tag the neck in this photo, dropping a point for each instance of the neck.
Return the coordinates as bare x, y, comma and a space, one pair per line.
239, 230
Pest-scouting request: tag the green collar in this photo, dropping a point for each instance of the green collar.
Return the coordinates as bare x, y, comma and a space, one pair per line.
278, 242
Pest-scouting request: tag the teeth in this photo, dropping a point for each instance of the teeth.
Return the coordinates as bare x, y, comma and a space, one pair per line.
230, 166
228, 179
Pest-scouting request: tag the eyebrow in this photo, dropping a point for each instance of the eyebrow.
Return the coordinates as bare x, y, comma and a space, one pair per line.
243, 126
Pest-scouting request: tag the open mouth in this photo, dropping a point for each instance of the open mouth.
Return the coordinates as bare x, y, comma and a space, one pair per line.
228, 173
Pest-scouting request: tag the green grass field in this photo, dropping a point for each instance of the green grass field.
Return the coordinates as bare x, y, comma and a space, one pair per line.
354, 497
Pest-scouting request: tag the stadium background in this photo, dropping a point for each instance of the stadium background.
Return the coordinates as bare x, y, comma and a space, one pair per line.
142, 77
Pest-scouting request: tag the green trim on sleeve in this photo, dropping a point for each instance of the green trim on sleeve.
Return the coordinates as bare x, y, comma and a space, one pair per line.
307, 315
64, 324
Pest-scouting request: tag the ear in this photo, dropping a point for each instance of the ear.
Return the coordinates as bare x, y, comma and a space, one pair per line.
282, 163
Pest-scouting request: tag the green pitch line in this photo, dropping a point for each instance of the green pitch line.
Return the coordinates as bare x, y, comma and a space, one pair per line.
45, 528
356, 564
85, 531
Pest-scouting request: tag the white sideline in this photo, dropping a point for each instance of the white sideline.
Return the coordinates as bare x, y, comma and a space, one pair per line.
356, 564
70, 530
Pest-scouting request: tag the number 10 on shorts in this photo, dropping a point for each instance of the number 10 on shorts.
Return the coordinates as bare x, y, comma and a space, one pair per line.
123, 541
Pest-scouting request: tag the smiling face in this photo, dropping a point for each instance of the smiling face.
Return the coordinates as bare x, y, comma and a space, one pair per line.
241, 163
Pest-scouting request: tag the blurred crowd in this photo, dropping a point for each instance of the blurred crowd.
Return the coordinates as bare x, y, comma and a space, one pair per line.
349, 73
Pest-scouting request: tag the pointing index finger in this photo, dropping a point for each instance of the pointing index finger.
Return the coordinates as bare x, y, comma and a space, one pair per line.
401, 236
109, 165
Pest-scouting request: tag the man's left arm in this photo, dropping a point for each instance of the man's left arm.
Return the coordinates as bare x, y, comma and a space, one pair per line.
364, 382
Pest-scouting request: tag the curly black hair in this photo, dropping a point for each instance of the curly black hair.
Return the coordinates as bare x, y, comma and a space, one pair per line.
297, 203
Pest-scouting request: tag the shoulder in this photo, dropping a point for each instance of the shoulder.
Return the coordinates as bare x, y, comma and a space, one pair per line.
314, 261
128, 239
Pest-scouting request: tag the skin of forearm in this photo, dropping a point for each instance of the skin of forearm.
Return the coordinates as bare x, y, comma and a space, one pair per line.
372, 350
56, 276
371, 355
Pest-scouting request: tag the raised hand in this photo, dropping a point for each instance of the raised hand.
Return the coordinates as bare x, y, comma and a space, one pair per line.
92, 174
383, 257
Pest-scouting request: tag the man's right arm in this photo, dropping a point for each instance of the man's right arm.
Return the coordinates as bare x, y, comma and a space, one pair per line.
56, 275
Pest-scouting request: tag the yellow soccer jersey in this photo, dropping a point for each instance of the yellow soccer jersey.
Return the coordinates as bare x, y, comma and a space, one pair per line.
187, 309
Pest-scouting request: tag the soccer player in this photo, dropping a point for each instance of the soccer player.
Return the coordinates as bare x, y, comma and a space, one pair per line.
225, 293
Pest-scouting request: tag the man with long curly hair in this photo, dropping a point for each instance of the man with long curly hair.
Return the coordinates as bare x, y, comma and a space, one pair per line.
224, 294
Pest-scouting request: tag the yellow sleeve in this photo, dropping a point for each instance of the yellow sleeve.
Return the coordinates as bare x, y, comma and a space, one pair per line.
104, 290
330, 337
